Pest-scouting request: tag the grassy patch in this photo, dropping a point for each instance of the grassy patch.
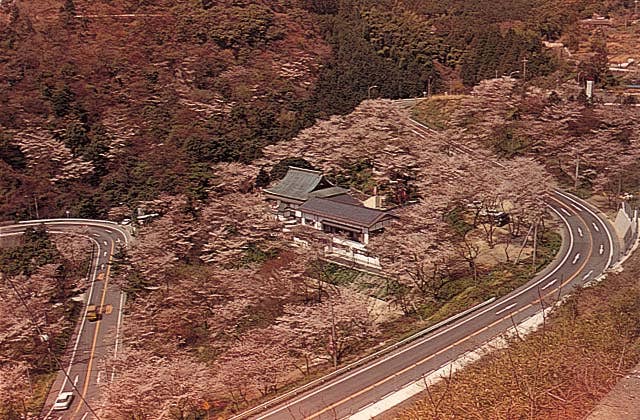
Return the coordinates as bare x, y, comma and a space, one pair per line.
339, 275
254, 254
435, 112
41, 385
508, 142
502, 279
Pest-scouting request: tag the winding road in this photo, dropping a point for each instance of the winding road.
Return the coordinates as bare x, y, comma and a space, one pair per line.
590, 246
92, 341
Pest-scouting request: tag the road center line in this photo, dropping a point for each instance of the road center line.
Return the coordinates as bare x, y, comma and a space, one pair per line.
431, 356
568, 197
85, 386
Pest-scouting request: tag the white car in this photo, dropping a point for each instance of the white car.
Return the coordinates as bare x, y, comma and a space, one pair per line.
63, 401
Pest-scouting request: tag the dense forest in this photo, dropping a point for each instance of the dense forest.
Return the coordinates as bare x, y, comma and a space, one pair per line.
104, 104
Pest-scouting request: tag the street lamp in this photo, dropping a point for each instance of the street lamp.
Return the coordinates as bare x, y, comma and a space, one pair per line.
67, 213
369, 90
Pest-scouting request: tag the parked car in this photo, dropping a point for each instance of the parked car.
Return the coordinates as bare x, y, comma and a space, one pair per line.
63, 402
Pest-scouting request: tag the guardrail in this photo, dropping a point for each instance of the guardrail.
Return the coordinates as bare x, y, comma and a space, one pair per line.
95, 222
358, 363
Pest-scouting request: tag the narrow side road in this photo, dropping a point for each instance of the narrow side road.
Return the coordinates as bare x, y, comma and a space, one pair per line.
93, 340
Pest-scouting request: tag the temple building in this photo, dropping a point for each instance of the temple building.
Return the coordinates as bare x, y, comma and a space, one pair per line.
308, 197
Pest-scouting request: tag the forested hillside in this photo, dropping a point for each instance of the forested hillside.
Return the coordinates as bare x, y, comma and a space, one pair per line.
105, 102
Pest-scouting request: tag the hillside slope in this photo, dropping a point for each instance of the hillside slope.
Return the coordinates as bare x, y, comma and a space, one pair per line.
134, 97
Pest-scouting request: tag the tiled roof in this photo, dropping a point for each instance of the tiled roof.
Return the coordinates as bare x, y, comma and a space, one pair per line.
328, 192
298, 183
346, 199
343, 212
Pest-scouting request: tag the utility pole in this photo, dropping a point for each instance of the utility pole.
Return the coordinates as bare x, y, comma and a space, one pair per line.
35, 200
334, 338
524, 68
535, 245
575, 186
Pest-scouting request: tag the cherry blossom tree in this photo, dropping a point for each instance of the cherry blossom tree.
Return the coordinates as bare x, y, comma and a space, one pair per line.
15, 390
147, 386
336, 326
258, 362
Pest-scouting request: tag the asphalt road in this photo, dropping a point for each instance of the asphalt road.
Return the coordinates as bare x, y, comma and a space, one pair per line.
589, 247
92, 341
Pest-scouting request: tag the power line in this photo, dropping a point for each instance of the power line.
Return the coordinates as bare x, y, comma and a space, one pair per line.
45, 339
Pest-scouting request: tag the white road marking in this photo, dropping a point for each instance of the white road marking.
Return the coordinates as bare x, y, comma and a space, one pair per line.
565, 211
95, 235
506, 309
586, 276
421, 384
85, 415
99, 375
580, 232
576, 258
115, 350
601, 249
596, 227
75, 381
551, 283
102, 267
609, 237
110, 226
105, 243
